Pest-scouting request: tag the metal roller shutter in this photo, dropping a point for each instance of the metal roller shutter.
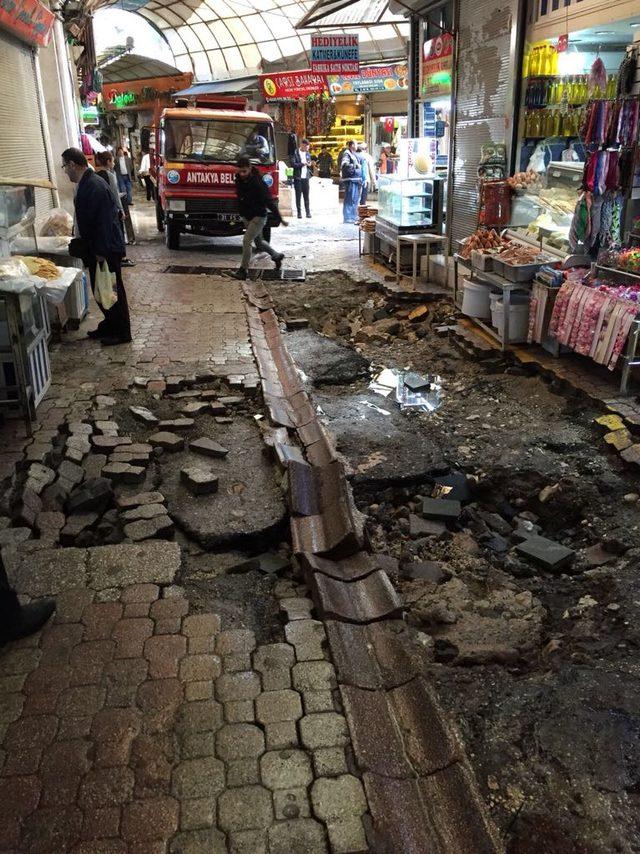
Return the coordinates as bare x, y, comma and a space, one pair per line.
22, 147
482, 102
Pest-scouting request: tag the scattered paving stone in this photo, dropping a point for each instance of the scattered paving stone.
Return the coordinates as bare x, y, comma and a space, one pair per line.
15, 536
194, 408
199, 481
297, 608
124, 473
425, 527
545, 552
208, 447
71, 474
220, 419
209, 394
103, 401
218, 409
107, 428
270, 563
231, 400
39, 477
49, 524
329, 761
110, 443
144, 511
93, 465
631, 455
428, 570
140, 382
441, 508
76, 524
80, 428
314, 676
285, 769
25, 507
167, 441
177, 424
296, 323
145, 529
141, 413
598, 556
124, 502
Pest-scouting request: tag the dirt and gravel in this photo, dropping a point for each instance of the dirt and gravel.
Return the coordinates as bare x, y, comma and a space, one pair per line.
538, 666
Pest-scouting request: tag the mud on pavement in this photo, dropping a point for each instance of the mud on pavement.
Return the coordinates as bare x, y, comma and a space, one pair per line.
536, 661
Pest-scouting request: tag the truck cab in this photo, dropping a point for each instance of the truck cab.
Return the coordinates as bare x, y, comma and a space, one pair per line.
198, 149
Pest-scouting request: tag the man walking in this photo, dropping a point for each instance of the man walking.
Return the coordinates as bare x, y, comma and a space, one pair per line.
254, 202
124, 172
325, 163
351, 177
301, 162
101, 239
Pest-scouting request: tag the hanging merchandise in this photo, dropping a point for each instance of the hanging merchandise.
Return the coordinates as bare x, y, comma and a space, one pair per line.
597, 83
627, 73
611, 123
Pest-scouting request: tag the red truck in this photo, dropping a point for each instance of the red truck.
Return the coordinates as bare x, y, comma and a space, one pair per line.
195, 166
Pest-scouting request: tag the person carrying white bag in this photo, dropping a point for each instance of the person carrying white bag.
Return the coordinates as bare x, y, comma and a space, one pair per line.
100, 245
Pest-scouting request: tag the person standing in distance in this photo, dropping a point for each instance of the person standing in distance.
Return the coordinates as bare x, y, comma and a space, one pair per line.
124, 172
254, 203
325, 163
351, 178
301, 162
100, 233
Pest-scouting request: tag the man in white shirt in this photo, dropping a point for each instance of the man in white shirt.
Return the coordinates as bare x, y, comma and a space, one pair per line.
301, 162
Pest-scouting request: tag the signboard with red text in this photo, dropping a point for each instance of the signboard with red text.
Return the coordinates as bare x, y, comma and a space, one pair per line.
29, 20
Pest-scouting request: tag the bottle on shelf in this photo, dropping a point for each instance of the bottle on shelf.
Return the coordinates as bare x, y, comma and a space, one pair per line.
534, 62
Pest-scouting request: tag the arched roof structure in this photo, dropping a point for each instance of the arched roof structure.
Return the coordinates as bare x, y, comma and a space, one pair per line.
216, 39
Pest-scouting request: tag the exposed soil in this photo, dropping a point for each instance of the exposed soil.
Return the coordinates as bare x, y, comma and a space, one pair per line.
539, 668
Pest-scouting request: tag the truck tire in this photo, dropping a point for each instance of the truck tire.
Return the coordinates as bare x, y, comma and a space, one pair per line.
159, 216
266, 233
172, 235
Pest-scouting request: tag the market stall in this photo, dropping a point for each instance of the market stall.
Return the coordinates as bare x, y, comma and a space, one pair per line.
28, 284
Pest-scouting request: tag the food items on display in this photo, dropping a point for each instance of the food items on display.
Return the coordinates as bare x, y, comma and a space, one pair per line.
40, 267
13, 268
524, 180
517, 253
627, 260
483, 240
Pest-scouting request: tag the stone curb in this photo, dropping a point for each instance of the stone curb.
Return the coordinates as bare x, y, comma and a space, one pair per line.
405, 748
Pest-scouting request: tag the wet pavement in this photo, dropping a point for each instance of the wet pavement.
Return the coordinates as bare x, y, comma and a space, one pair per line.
184, 698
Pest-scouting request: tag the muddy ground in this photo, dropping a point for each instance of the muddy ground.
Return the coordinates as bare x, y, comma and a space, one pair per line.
539, 667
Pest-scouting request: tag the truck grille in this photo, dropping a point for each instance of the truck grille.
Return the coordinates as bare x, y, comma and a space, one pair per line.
212, 205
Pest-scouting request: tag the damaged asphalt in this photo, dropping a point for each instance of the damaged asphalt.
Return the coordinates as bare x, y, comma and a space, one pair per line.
532, 649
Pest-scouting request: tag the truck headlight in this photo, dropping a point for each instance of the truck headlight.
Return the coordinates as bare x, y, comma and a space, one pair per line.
177, 205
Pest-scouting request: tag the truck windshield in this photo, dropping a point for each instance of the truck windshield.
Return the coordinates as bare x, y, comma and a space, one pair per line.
218, 141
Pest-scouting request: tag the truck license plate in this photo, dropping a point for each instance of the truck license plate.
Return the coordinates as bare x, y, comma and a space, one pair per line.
226, 217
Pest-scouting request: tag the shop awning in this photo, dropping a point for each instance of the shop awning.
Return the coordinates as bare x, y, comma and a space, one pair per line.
348, 13
220, 87
130, 66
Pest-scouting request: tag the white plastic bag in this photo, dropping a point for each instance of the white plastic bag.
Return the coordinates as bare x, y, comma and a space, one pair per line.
105, 289
59, 223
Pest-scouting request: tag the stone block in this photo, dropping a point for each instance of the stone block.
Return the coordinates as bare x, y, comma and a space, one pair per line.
338, 798
235, 641
275, 706
300, 834
233, 687
240, 741
329, 762
239, 711
167, 441
546, 553
198, 778
126, 502
124, 473
314, 676
274, 663
323, 729
141, 413
145, 511
122, 565
245, 808
441, 508
208, 448
243, 772
347, 836
291, 803
146, 529
173, 424
308, 637
198, 481
281, 736
94, 494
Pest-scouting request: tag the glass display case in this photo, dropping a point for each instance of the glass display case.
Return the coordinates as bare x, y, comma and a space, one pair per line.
411, 203
545, 211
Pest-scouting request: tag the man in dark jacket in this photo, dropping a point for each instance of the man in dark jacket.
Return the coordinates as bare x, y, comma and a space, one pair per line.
301, 162
101, 237
254, 203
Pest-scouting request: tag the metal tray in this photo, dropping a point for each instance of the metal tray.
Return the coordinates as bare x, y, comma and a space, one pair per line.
521, 272
482, 261
498, 266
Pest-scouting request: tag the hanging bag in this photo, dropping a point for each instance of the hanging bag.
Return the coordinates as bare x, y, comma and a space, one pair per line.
105, 290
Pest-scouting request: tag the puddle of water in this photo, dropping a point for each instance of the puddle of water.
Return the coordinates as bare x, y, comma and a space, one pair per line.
410, 390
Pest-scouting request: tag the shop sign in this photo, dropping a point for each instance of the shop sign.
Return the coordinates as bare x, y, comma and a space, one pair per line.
437, 67
377, 78
335, 54
291, 85
29, 20
143, 94
563, 43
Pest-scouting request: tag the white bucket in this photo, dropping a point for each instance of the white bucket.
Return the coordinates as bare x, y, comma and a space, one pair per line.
475, 301
518, 317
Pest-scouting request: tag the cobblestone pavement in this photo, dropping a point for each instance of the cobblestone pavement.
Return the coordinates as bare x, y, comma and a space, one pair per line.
133, 722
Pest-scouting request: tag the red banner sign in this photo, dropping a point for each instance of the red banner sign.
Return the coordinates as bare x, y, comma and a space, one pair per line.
29, 20
563, 43
291, 85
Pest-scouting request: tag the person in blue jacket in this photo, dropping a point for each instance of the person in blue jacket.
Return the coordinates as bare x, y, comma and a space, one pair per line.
101, 239
351, 177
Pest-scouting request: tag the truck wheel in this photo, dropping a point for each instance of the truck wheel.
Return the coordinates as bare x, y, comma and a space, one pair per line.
159, 216
266, 233
172, 235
